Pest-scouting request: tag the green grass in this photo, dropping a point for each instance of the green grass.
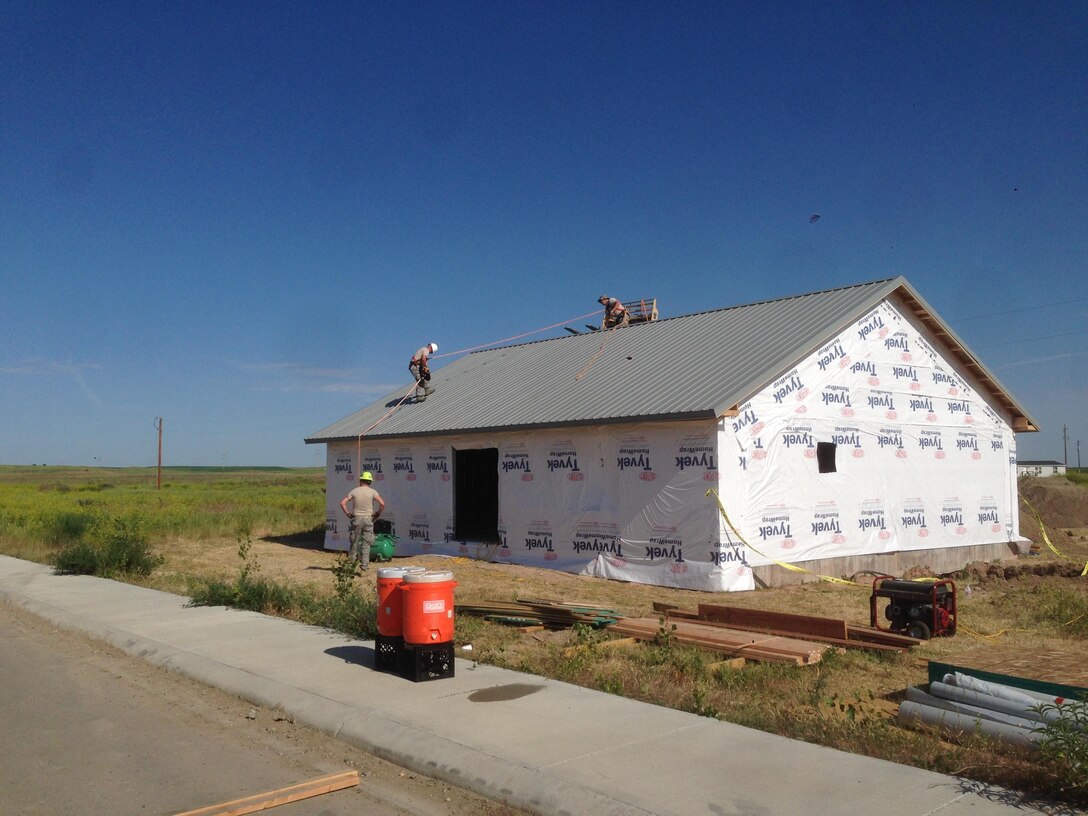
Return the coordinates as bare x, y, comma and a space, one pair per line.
1078, 476
54, 506
345, 610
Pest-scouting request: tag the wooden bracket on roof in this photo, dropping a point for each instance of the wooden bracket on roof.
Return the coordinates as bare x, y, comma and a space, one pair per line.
1020, 424
731, 412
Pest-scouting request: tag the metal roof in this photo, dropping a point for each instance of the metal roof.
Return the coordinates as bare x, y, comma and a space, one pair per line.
695, 366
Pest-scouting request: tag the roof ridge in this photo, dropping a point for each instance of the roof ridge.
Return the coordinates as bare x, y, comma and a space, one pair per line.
705, 311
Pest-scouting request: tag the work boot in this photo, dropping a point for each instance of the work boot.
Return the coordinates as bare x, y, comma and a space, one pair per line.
430, 390
422, 398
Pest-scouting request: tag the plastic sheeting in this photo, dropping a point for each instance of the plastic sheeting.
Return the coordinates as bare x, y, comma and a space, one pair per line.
622, 501
920, 461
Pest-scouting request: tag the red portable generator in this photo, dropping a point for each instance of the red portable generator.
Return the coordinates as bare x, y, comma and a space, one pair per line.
918, 609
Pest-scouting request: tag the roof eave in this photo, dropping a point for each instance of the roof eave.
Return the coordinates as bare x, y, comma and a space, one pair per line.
707, 414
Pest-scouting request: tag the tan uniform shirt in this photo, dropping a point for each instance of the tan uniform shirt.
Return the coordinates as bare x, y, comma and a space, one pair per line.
362, 501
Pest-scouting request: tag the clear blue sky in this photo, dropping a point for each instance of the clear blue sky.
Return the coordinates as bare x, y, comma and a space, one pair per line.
244, 217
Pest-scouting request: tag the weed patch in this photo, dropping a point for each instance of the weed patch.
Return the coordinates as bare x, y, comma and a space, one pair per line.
108, 547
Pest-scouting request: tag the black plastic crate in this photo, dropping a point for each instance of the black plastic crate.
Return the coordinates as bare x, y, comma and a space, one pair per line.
389, 654
432, 661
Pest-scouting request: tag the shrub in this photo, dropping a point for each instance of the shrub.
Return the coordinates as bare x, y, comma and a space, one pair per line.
111, 546
64, 527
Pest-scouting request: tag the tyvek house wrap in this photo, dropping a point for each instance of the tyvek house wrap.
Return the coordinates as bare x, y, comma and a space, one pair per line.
921, 461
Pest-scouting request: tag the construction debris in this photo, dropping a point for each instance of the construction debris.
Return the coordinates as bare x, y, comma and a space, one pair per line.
281, 796
534, 612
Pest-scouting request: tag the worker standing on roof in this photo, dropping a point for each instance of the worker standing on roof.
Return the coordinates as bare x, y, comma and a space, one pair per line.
362, 515
615, 313
421, 371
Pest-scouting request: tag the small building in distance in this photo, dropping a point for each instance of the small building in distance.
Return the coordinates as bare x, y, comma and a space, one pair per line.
1040, 468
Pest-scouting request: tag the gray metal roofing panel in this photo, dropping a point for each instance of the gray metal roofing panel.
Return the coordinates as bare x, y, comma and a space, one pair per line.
697, 365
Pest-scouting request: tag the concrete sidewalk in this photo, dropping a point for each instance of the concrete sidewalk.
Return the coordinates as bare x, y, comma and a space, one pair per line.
537, 744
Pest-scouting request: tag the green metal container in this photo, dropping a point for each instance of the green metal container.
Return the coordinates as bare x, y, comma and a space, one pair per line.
383, 547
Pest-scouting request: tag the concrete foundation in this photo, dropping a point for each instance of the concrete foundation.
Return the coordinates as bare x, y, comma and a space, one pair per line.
942, 561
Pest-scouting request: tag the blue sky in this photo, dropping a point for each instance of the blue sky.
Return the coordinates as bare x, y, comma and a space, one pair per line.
245, 217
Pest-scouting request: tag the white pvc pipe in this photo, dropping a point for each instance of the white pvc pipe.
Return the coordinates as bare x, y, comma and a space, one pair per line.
1026, 696
950, 721
916, 695
974, 698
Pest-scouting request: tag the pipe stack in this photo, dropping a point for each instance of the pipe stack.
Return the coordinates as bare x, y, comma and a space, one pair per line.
964, 704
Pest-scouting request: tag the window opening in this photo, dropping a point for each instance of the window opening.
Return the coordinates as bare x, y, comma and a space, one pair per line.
825, 456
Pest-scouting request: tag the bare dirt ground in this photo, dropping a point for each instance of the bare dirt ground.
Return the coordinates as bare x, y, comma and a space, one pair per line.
1062, 505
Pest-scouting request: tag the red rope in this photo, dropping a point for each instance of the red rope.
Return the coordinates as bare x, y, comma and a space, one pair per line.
389, 413
516, 336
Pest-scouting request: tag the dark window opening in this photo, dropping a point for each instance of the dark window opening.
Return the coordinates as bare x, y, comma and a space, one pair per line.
476, 495
825, 456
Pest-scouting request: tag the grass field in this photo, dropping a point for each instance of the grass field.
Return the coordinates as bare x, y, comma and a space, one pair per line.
252, 537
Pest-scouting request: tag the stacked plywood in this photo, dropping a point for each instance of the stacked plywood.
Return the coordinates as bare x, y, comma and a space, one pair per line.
821, 630
731, 642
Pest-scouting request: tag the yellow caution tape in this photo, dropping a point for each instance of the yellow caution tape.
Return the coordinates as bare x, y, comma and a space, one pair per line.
791, 567
1046, 538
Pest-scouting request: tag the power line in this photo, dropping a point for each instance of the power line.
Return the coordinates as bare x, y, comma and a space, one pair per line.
1031, 339
1022, 309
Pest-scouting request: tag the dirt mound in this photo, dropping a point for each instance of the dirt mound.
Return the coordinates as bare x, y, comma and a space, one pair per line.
1060, 502
981, 572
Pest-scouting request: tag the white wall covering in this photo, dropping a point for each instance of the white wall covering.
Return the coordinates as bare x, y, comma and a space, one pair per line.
922, 461
622, 501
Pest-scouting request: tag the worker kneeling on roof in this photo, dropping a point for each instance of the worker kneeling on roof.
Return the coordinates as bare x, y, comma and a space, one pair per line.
615, 313
421, 371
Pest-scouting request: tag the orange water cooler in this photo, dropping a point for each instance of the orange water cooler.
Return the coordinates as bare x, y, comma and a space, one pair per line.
389, 643
426, 600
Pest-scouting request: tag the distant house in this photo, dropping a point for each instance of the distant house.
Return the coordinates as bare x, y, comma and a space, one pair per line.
1040, 468
844, 430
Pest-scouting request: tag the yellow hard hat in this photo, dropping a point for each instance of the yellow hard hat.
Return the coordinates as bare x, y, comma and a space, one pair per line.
366, 476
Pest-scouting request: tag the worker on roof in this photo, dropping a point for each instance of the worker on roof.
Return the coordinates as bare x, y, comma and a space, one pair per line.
615, 313
421, 371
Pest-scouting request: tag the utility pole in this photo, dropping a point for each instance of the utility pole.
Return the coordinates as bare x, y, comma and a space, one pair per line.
1065, 445
158, 424
1078, 454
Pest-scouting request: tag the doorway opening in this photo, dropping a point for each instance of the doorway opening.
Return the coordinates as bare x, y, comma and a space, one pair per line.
476, 494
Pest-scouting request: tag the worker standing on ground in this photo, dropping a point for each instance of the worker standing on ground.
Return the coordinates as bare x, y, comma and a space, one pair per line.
421, 371
615, 313
362, 515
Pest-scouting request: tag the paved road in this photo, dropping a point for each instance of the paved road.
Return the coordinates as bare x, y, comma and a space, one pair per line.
85, 728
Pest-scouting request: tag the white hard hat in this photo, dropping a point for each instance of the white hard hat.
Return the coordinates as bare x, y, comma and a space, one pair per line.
434, 347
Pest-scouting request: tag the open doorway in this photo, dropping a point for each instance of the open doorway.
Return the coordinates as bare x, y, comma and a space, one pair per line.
476, 494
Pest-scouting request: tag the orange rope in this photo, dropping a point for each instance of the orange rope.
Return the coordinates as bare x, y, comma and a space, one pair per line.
593, 359
516, 336
389, 413
384, 417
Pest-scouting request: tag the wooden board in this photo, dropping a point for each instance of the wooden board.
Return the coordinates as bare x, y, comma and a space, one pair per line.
778, 621
790, 625
281, 796
733, 642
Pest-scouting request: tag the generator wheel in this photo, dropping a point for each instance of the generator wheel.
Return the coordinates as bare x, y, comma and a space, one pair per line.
919, 630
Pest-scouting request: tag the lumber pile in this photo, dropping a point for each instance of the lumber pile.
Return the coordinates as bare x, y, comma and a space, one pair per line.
541, 612
820, 630
731, 642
